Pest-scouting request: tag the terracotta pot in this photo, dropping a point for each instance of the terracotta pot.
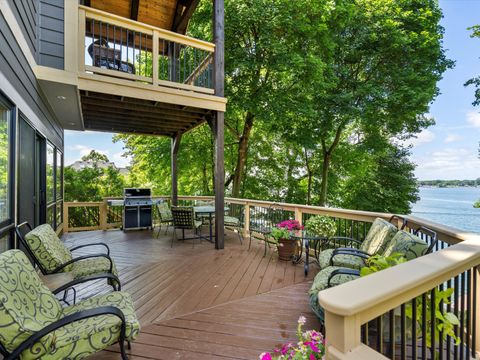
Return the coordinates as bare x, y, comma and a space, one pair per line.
286, 249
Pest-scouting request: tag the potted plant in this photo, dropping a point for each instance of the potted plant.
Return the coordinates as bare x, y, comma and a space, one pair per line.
281, 234
320, 225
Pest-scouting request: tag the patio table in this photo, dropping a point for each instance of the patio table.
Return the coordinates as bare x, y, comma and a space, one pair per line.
210, 211
304, 239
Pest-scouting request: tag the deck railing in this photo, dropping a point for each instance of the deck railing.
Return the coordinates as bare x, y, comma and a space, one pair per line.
118, 47
384, 315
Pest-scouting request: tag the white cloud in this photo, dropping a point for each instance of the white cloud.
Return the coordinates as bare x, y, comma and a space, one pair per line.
452, 138
448, 164
425, 137
473, 118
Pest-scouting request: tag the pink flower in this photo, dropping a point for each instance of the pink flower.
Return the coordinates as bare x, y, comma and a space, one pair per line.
265, 356
312, 357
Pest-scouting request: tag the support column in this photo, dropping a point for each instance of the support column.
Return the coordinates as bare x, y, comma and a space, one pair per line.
219, 120
174, 152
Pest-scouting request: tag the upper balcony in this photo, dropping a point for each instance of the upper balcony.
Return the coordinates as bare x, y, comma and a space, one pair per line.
123, 75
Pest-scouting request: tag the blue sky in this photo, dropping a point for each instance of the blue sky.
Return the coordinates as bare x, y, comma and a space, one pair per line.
447, 150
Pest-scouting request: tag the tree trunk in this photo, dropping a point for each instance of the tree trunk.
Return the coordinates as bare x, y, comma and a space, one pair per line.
309, 178
242, 155
324, 187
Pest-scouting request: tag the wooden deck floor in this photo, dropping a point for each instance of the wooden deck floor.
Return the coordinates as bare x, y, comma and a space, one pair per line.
200, 303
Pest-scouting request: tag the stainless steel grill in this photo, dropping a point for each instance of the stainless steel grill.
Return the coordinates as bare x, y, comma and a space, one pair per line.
137, 209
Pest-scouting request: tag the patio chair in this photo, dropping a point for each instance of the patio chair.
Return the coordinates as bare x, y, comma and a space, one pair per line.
184, 219
34, 324
52, 256
410, 245
234, 224
165, 216
378, 237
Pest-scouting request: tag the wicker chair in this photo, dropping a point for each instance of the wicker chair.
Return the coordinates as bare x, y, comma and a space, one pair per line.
165, 216
184, 219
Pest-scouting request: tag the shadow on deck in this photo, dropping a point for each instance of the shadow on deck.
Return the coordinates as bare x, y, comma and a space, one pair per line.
200, 303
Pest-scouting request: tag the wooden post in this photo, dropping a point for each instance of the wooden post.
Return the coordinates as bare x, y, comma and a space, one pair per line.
219, 120
174, 147
103, 215
298, 215
65, 218
246, 225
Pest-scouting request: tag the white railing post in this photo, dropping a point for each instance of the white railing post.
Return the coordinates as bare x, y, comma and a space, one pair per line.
81, 40
155, 62
298, 214
65, 218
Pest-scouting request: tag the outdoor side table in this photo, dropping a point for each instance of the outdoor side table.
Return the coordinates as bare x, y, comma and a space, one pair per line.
210, 211
307, 241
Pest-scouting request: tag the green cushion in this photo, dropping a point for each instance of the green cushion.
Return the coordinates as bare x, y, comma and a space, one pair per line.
320, 282
316, 308
342, 260
92, 266
26, 305
411, 246
47, 247
91, 335
378, 237
231, 221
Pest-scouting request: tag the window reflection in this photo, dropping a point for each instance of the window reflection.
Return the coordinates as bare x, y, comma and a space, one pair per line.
4, 163
50, 173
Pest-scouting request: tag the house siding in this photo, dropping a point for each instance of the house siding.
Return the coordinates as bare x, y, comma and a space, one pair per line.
51, 33
26, 13
16, 69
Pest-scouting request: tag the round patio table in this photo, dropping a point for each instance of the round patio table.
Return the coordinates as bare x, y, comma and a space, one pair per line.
210, 211
307, 241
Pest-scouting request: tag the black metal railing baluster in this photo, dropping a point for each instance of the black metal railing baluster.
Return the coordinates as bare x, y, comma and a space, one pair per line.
469, 306
424, 326
433, 322
403, 333
474, 312
455, 311
462, 315
414, 329
391, 330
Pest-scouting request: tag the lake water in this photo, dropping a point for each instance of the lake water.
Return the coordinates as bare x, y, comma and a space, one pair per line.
449, 206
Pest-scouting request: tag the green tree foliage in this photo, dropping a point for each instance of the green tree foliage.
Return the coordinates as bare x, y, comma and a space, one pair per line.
476, 80
92, 183
317, 101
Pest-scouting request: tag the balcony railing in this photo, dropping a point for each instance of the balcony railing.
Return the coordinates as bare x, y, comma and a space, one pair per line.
122, 48
372, 317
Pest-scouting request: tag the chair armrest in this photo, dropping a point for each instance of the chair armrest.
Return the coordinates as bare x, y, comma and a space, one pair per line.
345, 238
349, 251
84, 257
344, 271
92, 244
80, 315
87, 279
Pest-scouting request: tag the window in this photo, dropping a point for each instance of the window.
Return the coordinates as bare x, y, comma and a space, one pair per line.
59, 176
5, 116
50, 173
6, 174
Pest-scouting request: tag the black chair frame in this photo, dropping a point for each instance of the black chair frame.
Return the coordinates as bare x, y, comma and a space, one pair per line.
80, 315
59, 268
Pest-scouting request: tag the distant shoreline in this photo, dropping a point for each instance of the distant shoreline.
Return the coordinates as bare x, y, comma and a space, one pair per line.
449, 183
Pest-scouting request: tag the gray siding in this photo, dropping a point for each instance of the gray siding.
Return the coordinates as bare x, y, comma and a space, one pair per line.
14, 66
26, 13
51, 33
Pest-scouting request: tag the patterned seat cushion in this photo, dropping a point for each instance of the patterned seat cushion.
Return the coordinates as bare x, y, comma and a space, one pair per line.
85, 337
321, 279
316, 308
47, 247
92, 266
26, 305
411, 246
378, 237
231, 221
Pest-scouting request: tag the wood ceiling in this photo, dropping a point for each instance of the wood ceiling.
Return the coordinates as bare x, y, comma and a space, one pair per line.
117, 114
166, 14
